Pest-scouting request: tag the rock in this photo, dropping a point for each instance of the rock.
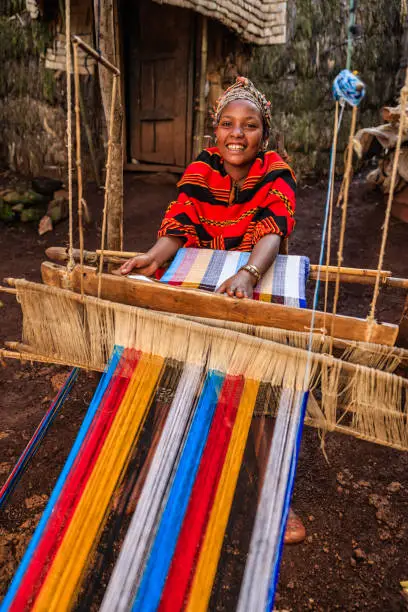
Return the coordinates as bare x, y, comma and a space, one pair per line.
6, 212
290, 585
18, 207
58, 209
45, 225
5, 468
46, 186
353, 562
36, 501
384, 534
311, 517
58, 381
31, 214
27, 198
394, 487
364, 483
344, 477
359, 554
378, 501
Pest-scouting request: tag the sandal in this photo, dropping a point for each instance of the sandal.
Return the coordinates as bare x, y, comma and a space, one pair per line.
295, 530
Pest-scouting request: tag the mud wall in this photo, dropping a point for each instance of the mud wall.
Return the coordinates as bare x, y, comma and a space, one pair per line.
298, 76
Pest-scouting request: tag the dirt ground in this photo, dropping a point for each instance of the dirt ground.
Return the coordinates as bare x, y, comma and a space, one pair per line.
355, 507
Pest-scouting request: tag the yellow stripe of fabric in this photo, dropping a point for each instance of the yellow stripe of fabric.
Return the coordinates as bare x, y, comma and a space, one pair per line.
266, 285
196, 273
62, 582
211, 548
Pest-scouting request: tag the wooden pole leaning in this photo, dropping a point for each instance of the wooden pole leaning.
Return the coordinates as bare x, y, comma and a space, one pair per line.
95, 55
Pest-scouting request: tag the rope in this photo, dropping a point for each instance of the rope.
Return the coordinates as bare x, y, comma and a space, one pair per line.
347, 176
330, 196
78, 164
403, 105
107, 181
71, 261
324, 231
350, 31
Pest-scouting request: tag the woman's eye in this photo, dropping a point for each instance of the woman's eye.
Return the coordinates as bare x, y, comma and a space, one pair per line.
252, 126
226, 124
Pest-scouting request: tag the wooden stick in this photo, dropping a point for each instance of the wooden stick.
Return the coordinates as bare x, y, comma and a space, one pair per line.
348, 275
27, 356
78, 159
8, 290
165, 298
93, 53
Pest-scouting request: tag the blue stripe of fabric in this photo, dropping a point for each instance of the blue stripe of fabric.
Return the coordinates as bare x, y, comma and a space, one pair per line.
214, 269
168, 275
87, 422
158, 565
303, 276
243, 260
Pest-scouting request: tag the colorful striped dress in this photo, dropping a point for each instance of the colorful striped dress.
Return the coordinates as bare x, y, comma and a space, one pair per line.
210, 212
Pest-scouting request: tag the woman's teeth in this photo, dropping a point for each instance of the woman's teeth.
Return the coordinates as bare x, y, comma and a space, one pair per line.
234, 147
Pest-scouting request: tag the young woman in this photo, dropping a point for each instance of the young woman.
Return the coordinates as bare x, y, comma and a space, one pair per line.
235, 196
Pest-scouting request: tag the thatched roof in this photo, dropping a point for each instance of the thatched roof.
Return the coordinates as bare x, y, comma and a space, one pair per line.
262, 22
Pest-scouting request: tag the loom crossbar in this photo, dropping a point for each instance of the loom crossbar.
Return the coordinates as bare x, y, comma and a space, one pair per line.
165, 298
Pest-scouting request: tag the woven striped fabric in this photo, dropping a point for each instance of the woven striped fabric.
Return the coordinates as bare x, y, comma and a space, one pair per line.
283, 283
184, 489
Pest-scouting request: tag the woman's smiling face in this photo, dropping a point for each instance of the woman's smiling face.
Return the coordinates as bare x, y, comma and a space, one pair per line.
239, 133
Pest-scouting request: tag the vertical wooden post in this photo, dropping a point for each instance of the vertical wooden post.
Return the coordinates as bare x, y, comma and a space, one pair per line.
402, 339
106, 42
201, 111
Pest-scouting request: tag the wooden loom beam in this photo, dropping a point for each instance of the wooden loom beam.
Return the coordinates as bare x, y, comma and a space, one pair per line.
165, 298
359, 276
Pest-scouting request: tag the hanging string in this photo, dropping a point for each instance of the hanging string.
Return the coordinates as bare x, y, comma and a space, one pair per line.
347, 177
350, 31
330, 197
107, 180
403, 106
68, 65
78, 164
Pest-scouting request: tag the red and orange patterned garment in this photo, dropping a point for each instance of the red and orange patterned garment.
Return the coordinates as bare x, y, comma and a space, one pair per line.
211, 213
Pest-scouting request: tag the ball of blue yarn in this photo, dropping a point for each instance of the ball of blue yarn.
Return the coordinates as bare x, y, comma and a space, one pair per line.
347, 86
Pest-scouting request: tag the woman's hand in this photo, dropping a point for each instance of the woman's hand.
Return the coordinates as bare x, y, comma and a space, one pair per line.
241, 285
144, 263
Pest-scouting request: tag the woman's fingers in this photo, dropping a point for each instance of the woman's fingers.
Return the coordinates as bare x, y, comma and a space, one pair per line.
222, 288
140, 262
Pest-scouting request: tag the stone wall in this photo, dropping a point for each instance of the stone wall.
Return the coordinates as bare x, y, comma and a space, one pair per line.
298, 77
33, 96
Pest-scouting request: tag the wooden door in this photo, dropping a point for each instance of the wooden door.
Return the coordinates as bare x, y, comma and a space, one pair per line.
160, 83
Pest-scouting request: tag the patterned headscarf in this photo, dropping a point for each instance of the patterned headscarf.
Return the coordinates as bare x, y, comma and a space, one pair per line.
244, 89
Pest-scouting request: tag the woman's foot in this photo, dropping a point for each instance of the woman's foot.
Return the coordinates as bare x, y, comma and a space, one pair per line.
295, 530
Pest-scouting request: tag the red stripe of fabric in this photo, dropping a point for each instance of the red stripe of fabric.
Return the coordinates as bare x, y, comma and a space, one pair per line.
65, 507
202, 497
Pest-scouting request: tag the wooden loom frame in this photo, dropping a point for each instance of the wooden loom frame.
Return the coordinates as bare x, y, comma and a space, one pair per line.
83, 279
